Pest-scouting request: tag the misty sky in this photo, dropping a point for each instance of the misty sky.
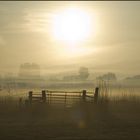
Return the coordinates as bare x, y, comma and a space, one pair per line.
25, 36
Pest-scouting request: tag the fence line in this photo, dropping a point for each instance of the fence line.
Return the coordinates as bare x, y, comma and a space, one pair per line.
50, 95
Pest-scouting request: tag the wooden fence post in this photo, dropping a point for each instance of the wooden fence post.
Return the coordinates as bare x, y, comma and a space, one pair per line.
96, 94
20, 103
43, 95
30, 96
84, 95
65, 97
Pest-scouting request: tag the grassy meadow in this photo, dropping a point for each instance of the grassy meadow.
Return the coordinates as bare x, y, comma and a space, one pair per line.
113, 117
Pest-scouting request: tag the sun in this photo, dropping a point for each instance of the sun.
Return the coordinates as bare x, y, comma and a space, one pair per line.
71, 25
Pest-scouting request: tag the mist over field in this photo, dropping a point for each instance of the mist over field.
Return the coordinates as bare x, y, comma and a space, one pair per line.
69, 70
113, 46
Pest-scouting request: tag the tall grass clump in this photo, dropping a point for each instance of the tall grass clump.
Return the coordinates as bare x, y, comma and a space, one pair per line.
103, 91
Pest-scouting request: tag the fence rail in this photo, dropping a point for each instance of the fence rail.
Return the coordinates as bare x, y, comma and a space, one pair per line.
55, 91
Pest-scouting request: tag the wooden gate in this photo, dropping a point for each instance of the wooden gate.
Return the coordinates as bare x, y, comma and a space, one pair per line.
63, 97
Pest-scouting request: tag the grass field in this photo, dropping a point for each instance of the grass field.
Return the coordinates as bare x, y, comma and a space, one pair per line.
115, 118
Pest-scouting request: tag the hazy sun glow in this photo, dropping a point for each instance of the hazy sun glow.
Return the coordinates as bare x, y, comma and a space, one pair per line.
71, 25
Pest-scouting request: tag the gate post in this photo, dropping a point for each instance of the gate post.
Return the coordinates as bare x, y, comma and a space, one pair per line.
96, 94
84, 95
30, 96
43, 95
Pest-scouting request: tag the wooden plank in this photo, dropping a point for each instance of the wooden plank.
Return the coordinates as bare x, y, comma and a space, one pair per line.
55, 91
63, 98
36, 96
39, 94
63, 95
